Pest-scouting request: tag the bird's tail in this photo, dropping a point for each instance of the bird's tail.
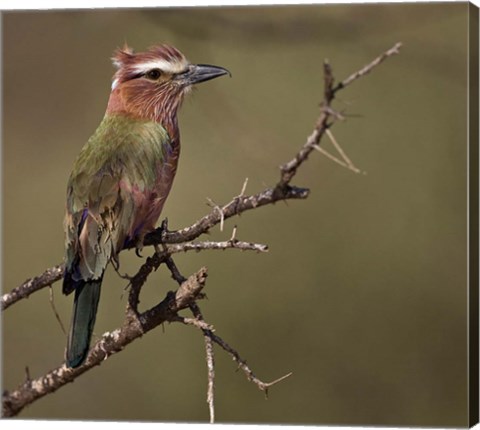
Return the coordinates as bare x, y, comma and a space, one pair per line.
87, 295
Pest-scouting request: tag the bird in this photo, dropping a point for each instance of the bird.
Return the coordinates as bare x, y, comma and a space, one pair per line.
123, 175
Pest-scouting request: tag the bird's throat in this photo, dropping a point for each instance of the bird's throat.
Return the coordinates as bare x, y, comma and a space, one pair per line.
162, 110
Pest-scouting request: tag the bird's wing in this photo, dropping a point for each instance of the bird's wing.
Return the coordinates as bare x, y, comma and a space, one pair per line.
96, 221
110, 193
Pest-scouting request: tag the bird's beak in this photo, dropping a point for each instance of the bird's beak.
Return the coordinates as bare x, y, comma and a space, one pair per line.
197, 73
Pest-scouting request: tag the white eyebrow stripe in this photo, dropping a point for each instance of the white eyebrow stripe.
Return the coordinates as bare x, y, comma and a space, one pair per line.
164, 65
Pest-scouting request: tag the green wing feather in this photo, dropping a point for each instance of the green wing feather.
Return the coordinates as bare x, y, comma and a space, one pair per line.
116, 180
114, 172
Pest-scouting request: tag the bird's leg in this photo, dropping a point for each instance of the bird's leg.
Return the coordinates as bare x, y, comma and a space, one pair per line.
163, 229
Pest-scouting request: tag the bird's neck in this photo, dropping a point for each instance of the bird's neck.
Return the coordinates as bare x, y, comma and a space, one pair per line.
163, 112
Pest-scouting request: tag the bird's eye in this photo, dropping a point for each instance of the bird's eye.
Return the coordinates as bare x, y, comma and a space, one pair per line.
154, 74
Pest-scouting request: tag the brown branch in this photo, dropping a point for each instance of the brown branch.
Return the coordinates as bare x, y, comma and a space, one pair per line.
54, 309
263, 386
47, 278
54, 274
199, 322
136, 324
210, 360
235, 207
241, 203
289, 169
211, 377
209, 338
229, 244
369, 67
208, 332
110, 343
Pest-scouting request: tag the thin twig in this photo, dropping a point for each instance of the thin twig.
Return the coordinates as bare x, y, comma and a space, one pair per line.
210, 361
116, 267
176, 275
235, 207
263, 386
200, 324
233, 237
340, 150
211, 377
55, 274
32, 285
244, 188
330, 156
337, 115
229, 244
219, 210
206, 329
369, 67
347, 164
52, 303
27, 374
288, 170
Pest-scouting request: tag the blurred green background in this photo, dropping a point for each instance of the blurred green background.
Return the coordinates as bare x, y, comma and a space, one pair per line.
363, 293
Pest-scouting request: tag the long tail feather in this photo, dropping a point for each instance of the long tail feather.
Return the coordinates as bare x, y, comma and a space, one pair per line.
87, 295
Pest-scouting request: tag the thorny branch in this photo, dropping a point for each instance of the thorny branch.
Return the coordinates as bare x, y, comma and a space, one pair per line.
136, 324
31, 285
54, 274
207, 336
242, 364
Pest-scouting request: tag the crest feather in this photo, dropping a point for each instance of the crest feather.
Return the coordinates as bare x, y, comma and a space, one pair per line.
122, 56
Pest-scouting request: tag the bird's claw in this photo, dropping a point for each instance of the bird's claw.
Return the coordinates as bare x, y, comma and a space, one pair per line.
139, 248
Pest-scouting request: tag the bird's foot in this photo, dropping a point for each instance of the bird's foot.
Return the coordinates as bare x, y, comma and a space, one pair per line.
163, 229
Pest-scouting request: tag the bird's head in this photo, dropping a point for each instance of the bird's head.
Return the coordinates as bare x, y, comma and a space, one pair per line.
152, 84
